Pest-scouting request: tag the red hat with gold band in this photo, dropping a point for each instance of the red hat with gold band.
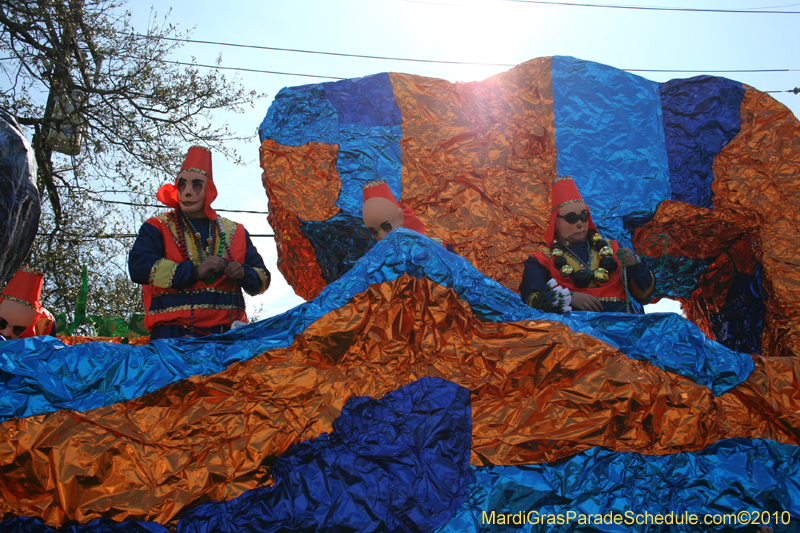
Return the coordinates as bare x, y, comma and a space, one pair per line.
380, 189
25, 288
564, 192
198, 159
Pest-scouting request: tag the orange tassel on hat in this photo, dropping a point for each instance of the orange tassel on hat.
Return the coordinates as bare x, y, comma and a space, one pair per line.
198, 159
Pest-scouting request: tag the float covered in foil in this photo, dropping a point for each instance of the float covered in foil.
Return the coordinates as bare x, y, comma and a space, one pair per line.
414, 391
694, 173
413, 372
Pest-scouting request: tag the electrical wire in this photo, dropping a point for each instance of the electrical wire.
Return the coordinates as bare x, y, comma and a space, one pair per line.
154, 206
651, 8
338, 54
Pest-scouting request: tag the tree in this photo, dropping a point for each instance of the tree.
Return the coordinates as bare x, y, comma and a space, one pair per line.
111, 115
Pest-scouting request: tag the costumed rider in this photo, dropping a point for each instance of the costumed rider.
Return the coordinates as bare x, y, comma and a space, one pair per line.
595, 270
21, 312
382, 213
191, 263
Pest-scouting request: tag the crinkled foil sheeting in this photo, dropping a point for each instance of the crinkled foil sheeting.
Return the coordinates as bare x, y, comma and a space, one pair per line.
539, 390
478, 161
302, 179
296, 257
133, 341
756, 177
600, 484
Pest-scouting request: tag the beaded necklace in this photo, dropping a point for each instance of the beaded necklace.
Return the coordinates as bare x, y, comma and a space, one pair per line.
216, 240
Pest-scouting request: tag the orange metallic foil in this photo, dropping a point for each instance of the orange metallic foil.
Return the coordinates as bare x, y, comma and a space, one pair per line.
539, 391
478, 160
756, 175
302, 179
295, 249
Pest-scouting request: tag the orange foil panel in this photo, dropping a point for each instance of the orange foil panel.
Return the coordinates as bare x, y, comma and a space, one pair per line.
295, 249
302, 179
539, 392
478, 160
691, 231
756, 176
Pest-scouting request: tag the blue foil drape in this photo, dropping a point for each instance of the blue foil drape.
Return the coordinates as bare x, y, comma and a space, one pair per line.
731, 476
701, 116
610, 139
396, 464
42, 375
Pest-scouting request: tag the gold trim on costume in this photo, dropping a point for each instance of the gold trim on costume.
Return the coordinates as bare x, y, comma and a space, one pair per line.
31, 270
199, 290
162, 273
639, 294
611, 299
559, 206
228, 225
265, 278
562, 178
190, 307
230, 228
198, 170
23, 302
535, 300
374, 184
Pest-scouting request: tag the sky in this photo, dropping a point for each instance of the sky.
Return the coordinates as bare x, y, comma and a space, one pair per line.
505, 32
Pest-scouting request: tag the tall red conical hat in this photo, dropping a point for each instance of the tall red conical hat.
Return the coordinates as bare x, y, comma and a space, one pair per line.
380, 189
25, 288
563, 192
198, 159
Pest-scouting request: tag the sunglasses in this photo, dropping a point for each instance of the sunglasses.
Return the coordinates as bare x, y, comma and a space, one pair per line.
16, 331
573, 218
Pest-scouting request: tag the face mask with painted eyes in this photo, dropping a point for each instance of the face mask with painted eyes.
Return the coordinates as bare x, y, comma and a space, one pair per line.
382, 216
15, 318
192, 193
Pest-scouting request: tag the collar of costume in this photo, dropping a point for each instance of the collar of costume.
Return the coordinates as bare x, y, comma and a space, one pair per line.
198, 159
380, 189
564, 192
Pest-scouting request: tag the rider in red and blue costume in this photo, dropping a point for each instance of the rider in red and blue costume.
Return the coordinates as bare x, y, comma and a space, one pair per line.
191, 263
595, 270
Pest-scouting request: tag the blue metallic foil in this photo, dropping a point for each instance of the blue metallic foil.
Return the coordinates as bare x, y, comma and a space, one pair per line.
338, 243
701, 116
610, 139
41, 374
729, 477
396, 464
739, 324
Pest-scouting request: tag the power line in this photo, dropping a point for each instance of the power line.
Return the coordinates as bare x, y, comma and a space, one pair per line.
338, 54
154, 206
649, 8
280, 73
253, 70
676, 71
713, 71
